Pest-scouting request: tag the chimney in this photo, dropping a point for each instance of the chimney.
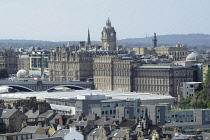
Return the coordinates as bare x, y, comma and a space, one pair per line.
61, 120
24, 124
9, 106
40, 124
137, 120
33, 110
122, 119
82, 114
23, 109
59, 127
105, 118
95, 116
128, 134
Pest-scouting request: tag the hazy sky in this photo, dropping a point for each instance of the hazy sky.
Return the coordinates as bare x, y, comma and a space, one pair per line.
68, 20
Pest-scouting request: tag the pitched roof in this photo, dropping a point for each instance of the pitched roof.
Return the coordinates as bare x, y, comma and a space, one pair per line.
30, 129
57, 116
50, 138
47, 114
32, 114
118, 133
128, 123
61, 133
78, 123
108, 121
39, 136
95, 132
6, 113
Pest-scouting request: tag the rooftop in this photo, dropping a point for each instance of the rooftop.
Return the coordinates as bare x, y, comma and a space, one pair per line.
66, 95
161, 67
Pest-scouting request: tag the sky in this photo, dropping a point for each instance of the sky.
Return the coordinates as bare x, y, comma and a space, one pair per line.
69, 20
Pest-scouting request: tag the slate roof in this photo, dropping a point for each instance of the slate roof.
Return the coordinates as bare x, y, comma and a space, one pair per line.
78, 123
88, 129
30, 114
39, 136
6, 113
61, 133
118, 133
109, 121
50, 138
30, 129
127, 123
57, 116
47, 114
95, 132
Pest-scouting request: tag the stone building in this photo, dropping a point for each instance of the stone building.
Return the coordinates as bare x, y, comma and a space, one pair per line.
66, 64
12, 120
113, 73
69, 63
179, 52
23, 62
161, 79
8, 60
113, 70
108, 37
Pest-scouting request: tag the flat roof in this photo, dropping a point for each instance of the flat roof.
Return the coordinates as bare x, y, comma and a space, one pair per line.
192, 82
73, 94
160, 67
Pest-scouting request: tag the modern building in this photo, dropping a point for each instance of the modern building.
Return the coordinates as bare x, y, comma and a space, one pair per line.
39, 62
188, 89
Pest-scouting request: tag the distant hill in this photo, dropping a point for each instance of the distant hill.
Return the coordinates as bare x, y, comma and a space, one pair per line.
192, 40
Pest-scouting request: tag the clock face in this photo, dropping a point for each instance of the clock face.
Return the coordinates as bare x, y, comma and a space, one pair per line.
111, 34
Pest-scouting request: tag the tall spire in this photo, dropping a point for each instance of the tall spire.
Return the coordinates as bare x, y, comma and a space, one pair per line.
154, 40
108, 23
88, 39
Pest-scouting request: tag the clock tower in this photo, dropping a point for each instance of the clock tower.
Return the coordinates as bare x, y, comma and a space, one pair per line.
108, 37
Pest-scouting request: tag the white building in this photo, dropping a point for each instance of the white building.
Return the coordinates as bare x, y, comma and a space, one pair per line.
188, 89
73, 135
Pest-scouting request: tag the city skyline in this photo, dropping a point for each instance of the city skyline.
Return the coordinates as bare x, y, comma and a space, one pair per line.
64, 20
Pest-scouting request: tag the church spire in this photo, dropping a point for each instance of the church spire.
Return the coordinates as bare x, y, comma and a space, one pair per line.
88, 39
154, 40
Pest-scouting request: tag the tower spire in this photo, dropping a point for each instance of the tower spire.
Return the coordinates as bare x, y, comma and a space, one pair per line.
88, 39
154, 40
108, 23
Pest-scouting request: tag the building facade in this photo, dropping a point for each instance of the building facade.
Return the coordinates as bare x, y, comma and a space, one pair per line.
108, 37
188, 89
67, 65
161, 79
8, 60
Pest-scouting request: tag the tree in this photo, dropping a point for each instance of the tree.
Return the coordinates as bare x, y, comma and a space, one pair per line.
206, 84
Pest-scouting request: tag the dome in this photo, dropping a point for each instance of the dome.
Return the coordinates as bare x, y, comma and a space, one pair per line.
21, 73
194, 56
208, 51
